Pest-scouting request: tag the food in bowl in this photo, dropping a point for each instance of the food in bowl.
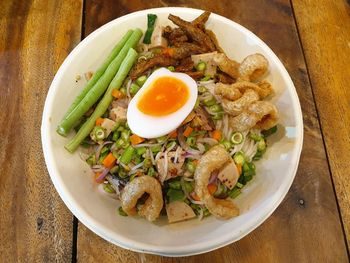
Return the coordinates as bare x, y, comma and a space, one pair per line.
176, 127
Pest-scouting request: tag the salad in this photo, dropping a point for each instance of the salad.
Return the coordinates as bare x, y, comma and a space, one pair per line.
170, 124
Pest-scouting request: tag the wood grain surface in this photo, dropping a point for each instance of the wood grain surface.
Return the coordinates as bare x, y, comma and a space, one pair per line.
325, 37
306, 227
35, 37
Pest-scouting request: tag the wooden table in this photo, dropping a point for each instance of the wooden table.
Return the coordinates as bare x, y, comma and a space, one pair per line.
312, 38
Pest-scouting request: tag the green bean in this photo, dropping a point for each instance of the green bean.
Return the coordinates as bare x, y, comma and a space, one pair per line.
156, 148
123, 90
127, 155
119, 143
141, 80
206, 78
201, 66
125, 135
116, 135
217, 116
170, 145
104, 102
234, 192
100, 87
99, 72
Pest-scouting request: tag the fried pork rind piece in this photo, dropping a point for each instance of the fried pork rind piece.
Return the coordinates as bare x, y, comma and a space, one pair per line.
260, 114
193, 32
229, 66
236, 107
135, 189
214, 159
253, 67
235, 90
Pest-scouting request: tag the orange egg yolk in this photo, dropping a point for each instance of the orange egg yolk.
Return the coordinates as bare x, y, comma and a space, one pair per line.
164, 96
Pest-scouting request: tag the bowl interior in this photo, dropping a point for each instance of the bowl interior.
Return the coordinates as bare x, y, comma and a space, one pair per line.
73, 179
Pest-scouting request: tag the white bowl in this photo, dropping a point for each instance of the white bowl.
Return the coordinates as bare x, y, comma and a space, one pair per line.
73, 179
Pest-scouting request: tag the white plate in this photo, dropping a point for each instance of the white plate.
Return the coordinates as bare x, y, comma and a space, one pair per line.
73, 179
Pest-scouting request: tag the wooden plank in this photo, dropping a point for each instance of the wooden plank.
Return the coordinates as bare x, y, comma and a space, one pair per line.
306, 226
35, 225
325, 34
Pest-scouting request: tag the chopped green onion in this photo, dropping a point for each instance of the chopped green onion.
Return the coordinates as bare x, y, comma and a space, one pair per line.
125, 135
187, 187
190, 167
234, 192
162, 139
126, 156
202, 89
215, 108
141, 80
239, 185
226, 144
201, 66
147, 163
91, 160
108, 188
116, 135
99, 133
151, 171
209, 101
258, 155
151, 20
217, 116
239, 158
134, 88
121, 212
114, 169
170, 145
270, 131
171, 68
123, 91
140, 150
191, 141
156, 149
175, 184
206, 78
104, 149
261, 145
237, 138
119, 143
102, 156
255, 137
175, 195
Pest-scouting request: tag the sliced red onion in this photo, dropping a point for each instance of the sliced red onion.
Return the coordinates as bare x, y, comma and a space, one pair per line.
99, 148
193, 152
213, 177
102, 176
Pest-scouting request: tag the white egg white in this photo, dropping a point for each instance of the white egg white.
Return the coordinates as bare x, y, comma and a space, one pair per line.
148, 126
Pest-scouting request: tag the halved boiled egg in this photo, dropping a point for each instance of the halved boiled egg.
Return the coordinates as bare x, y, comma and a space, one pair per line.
162, 104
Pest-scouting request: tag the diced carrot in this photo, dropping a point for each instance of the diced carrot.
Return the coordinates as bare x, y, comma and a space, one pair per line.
216, 134
195, 196
135, 139
239, 168
173, 134
188, 131
212, 188
99, 121
109, 160
117, 94
168, 52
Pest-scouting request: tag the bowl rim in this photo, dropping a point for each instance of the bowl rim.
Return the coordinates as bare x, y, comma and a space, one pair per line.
119, 240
